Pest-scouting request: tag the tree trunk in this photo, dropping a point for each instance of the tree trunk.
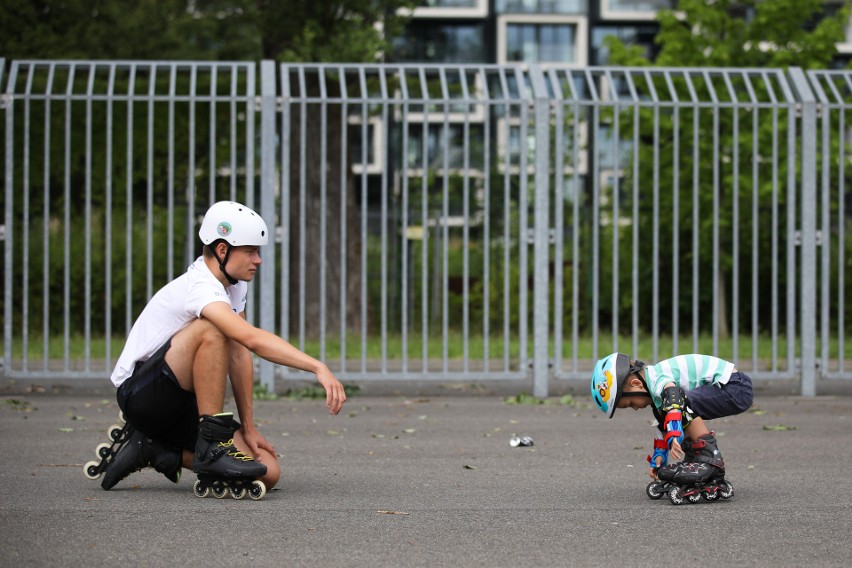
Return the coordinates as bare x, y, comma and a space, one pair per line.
305, 287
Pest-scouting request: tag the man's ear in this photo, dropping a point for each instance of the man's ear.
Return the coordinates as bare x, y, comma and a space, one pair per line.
635, 382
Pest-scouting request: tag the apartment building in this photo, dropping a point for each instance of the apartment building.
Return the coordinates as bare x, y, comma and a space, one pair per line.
569, 32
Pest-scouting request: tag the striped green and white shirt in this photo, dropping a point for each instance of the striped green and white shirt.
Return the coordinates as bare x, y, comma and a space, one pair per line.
686, 371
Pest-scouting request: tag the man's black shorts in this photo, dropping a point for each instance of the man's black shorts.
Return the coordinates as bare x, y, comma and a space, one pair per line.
154, 402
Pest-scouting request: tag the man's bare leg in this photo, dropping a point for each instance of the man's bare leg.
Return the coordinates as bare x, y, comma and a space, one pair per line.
199, 359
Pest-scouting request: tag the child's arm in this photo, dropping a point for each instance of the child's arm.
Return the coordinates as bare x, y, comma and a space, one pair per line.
674, 401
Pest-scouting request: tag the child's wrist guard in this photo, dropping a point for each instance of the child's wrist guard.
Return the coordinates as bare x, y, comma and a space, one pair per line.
674, 403
661, 450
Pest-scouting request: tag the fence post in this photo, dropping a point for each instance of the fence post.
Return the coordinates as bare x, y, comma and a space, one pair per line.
267, 210
541, 233
808, 227
8, 217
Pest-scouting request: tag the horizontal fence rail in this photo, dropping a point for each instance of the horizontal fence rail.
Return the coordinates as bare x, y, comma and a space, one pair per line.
453, 223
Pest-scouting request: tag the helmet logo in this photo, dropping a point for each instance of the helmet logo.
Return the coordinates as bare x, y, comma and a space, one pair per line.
604, 387
223, 229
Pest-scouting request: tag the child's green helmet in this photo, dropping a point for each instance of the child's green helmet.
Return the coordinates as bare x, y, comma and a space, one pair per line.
607, 377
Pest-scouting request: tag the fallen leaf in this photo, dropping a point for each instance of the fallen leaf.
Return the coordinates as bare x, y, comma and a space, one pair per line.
469, 466
779, 427
383, 512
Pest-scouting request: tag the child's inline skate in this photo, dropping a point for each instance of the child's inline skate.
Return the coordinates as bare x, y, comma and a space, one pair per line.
701, 474
220, 466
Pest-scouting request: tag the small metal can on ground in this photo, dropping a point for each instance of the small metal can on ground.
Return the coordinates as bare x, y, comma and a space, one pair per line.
521, 441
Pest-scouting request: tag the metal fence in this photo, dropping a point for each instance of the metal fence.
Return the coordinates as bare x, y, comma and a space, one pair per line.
437, 223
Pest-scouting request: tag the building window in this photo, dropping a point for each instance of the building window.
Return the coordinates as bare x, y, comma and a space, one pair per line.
529, 39
430, 42
541, 6
634, 9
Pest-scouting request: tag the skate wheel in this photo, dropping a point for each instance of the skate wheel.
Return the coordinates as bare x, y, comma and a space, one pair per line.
712, 495
694, 498
675, 497
115, 431
655, 490
200, 490
92, 470
257, 490
103, 450
726, 490
219, 491
121, 417
238, 492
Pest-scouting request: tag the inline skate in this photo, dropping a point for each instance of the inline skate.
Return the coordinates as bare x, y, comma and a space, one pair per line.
131, 451
220, 466
665, 474
701, 474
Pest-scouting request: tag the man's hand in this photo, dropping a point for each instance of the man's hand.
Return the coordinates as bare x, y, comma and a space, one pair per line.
334, 393
256, 441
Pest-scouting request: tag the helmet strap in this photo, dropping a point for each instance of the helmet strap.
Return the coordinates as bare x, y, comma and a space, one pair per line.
635, 369
223, 261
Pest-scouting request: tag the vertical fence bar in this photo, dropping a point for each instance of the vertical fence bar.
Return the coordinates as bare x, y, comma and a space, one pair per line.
486, 227
46, 222
9, 107
559, 218
266, 371
383, 160
25, 225
108, 223
404, 248
66, 245
284, 231
541, 220
807, 255
170, 176
323, 247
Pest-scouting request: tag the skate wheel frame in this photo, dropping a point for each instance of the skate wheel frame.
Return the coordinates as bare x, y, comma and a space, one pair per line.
238, 489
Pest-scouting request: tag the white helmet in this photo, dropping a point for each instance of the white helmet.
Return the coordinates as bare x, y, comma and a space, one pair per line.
235, 223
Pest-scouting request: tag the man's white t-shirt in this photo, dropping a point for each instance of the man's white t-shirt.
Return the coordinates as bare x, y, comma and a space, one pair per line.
171, 309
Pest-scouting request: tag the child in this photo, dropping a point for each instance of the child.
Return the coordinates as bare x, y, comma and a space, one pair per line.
683, 392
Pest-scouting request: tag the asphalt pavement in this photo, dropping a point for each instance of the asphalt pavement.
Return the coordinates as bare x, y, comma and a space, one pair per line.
430, 479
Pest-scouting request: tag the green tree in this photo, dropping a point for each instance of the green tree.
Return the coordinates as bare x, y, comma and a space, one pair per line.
212, 30
724, 33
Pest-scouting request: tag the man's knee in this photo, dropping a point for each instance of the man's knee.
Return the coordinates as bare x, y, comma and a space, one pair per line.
211, 335
273, 471
198, 333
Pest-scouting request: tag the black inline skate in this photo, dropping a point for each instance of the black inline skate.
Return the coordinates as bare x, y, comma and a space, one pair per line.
665, 474
131, 451
703, 475
220, 466
141, 451
118, 434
